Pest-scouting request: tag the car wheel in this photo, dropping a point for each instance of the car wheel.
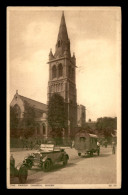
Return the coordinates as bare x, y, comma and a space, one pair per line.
65, 161
47, 165
79, 154
23, 173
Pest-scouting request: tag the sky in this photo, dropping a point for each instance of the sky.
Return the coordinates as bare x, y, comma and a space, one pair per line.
94, 34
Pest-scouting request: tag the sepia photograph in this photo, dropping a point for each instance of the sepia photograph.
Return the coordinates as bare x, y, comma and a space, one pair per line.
63, 97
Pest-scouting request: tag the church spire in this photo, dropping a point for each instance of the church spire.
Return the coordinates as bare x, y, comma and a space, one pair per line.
63, 35
63, 42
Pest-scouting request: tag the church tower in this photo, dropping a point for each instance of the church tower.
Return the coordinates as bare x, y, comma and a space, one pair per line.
62, 76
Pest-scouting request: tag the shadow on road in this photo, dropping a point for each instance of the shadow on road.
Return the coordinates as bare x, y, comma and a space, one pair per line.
95, 156
105, 155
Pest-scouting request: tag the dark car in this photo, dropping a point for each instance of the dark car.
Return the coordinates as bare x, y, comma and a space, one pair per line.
20, 171
46, 157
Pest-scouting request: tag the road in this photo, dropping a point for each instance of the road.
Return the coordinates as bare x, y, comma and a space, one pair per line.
79, 170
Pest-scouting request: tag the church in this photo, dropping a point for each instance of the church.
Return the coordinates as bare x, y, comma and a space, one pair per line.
62, 80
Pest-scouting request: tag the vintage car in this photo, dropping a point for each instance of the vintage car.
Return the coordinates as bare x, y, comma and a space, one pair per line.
86, 143
19, 171
46, 157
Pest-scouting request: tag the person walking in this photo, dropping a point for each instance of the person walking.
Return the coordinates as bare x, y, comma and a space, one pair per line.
72, 143
98, 147
113, 147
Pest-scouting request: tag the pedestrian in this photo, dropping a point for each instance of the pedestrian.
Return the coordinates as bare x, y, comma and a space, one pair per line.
26, 144
98, 144
72, 143
98, 148
105, 143
113, 147
31, 144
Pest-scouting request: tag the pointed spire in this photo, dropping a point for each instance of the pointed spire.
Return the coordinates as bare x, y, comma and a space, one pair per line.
63, 35
63, 42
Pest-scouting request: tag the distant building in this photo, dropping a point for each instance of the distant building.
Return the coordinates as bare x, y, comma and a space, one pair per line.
81, 115
18, 102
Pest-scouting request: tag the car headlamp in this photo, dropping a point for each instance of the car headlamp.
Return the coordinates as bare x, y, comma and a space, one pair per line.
18, 166
44, 159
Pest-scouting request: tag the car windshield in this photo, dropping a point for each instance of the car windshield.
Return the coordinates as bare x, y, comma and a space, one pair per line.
46, 147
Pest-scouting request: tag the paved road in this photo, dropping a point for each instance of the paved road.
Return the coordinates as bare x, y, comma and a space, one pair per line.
80, 170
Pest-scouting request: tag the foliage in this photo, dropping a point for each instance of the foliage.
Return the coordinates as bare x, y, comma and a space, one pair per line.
86, 128
56, 115
106, 125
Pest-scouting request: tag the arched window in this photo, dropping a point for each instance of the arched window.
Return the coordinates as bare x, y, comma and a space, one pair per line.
44, 130
52, 88
54, 72
61, 86
38, 129
60, 70
17, 110
59, 89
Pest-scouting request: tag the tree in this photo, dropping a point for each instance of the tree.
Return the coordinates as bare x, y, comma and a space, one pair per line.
106, 126
28, 122
56, 115
88, 129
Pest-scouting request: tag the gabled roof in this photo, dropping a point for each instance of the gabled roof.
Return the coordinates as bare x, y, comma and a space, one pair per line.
34, 103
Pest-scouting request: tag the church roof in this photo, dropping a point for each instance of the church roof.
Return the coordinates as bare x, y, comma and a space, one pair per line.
34, 103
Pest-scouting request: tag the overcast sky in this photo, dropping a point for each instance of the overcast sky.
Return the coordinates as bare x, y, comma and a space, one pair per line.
94, 34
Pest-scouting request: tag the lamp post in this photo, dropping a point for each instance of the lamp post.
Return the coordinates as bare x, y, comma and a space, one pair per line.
69, 128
